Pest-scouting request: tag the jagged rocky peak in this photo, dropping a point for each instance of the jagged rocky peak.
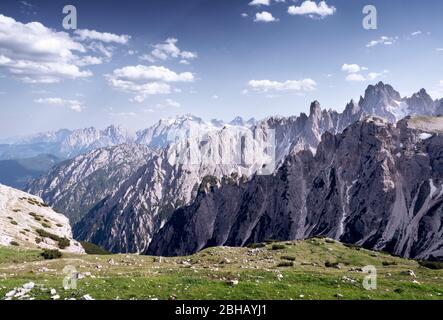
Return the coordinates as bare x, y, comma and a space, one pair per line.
27, 222
119, 134
237, 121
352, 108
421, 103
375, 185
315, 110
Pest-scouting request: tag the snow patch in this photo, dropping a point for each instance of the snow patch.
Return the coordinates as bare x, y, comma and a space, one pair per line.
424, 136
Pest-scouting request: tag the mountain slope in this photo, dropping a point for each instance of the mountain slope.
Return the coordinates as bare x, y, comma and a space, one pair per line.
75, 186
375, 185
27, 222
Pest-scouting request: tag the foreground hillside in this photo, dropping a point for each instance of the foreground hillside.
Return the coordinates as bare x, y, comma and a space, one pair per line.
311, 269
26, 221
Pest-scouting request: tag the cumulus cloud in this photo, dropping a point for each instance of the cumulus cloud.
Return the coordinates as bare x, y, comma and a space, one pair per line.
143, 81
260, 3
169, 50
312, 9
71, 104
88, 61
355, 77
92, 35
264, 17
352, 68
276, 86
382, 40
34, 53
355, 73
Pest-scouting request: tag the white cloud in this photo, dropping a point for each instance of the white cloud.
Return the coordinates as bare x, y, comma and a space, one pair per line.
260, 3
71, 104
289, 85
439, 49
264, 17
312, 9
168, 50
85, 34
144, 81
382, 40
244, 15
152, 73
356, 77
88, 61
375, 75
416, 33
34, 53
355, 73
352, 68
98, 47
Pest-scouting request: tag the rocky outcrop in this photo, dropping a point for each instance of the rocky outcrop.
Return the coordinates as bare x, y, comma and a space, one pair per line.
376, 185
27, 222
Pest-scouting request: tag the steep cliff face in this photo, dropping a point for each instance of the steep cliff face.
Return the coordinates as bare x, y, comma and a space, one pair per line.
126, 221
377, 185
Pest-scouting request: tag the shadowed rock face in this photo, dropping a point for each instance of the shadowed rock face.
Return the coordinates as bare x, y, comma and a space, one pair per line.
376, 185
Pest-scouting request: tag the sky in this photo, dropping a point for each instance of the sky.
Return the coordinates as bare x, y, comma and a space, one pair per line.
134, 62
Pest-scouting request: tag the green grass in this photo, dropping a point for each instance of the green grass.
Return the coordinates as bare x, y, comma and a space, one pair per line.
91, 248
205, 275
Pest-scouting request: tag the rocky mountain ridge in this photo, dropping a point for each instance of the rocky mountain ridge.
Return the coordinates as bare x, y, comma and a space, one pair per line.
26, 221
376, 185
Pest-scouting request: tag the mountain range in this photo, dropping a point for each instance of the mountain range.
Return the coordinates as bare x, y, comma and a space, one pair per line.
376, 185
156, 200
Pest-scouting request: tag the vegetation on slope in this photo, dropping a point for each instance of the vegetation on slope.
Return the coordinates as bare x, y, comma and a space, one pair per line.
311, 269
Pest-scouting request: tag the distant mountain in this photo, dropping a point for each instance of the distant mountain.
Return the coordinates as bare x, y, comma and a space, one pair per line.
18, 173
27, 222
376, 185
65, 143
75, 186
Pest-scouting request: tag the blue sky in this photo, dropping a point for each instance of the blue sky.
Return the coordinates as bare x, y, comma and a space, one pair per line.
133, 62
